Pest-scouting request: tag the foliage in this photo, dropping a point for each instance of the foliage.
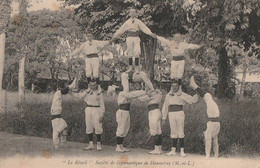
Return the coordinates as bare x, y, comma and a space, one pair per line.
5, 8
36, 37
216, 22
102, 18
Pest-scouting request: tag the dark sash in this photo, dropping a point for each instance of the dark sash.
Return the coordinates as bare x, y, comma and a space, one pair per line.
153, 107
55, 116
125, 107
174, 108
178, 58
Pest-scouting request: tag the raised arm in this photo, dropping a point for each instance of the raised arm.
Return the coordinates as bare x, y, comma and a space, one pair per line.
190, 99
165, 110
79, 95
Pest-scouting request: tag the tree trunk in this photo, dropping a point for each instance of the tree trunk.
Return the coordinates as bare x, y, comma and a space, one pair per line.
33, 87
21, 80
2, 59
223, 72
243, 82
148, 51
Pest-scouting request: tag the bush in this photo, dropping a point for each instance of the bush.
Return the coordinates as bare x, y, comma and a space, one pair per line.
239, 124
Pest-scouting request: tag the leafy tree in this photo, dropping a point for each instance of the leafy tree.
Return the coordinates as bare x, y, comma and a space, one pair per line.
245, 59
44, 28
103, 18
217, 21
5, 9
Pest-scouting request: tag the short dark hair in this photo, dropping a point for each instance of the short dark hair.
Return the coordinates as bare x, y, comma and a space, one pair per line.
64, 90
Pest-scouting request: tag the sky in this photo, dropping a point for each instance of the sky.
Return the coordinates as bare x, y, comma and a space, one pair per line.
38, 5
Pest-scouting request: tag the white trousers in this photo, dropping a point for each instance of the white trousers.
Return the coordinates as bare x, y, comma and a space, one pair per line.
177, 69
92, 67
133, 47
211, 133
92, 118
155, 122
58, 125
176, 120
123, 123
137, 77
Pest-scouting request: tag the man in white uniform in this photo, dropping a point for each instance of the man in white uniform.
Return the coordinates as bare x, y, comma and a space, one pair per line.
89, 50
123, 117
154, 98
94, 113
132, 26
59, 125
213, 124
177, 51
173, 106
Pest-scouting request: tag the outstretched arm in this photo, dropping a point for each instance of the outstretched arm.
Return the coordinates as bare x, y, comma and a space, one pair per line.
144, 98
134, 94
79, 95
190, 99
190, 46
78, 50
166, 42
101, 44
120, 31
144, 28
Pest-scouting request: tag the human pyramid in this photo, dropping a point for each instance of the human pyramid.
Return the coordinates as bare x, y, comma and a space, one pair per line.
130, 80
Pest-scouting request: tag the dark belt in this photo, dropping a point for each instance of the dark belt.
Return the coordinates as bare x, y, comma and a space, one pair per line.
178, 58
174, 108
92, 55
125, 107
88, 105
153, 107
133, 34
214, 119
55, 116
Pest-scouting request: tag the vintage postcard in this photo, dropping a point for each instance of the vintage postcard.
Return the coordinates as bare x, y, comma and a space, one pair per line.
129, 83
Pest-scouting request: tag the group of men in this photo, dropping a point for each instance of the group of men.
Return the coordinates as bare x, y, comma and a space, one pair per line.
130, 80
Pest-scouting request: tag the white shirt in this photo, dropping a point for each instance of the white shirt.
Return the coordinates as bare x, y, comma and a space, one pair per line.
92, 47
94, 98
179, 98
212, 107
56, 103
133, 24
177, 49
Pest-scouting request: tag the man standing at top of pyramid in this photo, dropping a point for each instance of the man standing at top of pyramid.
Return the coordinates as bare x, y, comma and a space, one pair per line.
132, 27
177, 48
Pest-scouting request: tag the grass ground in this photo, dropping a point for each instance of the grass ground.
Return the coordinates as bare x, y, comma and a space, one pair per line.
239, 134
27, 151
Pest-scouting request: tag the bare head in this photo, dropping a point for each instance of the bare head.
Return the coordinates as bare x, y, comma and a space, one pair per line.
89, 37
175, 87
178, 37
132, 12
92, 85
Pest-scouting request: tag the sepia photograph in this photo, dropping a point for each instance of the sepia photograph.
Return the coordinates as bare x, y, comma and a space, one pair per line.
129, 83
